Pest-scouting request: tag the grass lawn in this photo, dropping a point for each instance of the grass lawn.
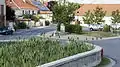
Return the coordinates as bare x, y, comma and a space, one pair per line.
99, 34
104, 62
37, 51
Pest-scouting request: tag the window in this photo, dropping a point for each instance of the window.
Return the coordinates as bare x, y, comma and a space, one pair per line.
29, 11
33, 12
23, 12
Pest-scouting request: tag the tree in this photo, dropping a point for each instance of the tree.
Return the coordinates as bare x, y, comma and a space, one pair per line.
94, 17
35, 18
88, 17
64, 13
98, 15
51, 4
27, 16
115, 16
10, 14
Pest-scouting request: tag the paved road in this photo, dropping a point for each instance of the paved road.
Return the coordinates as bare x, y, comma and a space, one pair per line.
27, 33
111, 49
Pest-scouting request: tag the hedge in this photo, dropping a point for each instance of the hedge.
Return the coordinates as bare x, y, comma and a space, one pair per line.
73, 29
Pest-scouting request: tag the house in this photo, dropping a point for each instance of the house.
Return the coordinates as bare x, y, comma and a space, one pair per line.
44, 12
2, 13
106, 7
22, 7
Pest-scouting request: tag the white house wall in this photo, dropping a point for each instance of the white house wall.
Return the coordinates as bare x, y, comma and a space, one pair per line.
20, 12
47, 16
107, 19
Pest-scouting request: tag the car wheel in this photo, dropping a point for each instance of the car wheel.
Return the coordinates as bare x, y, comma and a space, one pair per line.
100, 29
6, 33
91, 29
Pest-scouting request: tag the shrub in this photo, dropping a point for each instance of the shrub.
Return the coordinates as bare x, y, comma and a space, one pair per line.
21, 25
73, 29
106, 28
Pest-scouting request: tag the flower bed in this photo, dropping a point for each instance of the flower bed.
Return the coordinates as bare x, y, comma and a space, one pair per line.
37, 51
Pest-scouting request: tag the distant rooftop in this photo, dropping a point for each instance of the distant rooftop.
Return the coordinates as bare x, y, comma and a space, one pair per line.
106, 7
95, 1
91, 1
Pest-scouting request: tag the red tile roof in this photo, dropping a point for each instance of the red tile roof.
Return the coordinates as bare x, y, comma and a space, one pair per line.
21, 4
106, 7
11, 4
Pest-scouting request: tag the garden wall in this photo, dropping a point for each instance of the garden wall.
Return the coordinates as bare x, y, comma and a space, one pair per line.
86, 59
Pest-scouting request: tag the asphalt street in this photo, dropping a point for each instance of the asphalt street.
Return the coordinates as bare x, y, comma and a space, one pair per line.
111, 49
27, 33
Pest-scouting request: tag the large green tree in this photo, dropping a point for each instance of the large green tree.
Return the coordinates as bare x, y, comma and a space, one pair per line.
10, 14
64, 13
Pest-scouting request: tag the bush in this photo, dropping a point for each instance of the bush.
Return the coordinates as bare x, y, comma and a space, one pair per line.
21, 25
73, 29
106, 28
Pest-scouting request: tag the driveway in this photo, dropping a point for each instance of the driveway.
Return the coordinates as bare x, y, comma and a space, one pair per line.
111, 48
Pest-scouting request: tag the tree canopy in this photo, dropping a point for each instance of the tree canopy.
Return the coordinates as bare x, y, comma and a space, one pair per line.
94, 17
63, 13
115, 16
10, 13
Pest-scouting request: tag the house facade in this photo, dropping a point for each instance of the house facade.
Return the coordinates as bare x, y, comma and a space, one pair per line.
2, 13
22, 7
44, 12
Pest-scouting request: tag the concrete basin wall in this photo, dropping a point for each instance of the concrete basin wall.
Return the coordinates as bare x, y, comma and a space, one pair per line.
85, 59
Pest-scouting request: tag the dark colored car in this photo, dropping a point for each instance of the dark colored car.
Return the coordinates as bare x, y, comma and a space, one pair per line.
6, 31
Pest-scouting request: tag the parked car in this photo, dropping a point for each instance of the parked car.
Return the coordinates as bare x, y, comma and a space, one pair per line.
6, 31
94, 27
115, 26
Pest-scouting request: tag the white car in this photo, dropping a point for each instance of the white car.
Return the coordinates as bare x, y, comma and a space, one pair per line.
115, 26
93, 27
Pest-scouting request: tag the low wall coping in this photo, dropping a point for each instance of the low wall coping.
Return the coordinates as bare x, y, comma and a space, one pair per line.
71, 58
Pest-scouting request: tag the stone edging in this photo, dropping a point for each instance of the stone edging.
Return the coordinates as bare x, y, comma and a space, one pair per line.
89, 58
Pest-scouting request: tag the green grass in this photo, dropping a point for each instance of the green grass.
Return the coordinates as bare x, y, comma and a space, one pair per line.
105, 61
99, 34
37, 51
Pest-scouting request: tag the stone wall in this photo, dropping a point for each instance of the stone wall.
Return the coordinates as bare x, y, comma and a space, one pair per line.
86, 59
